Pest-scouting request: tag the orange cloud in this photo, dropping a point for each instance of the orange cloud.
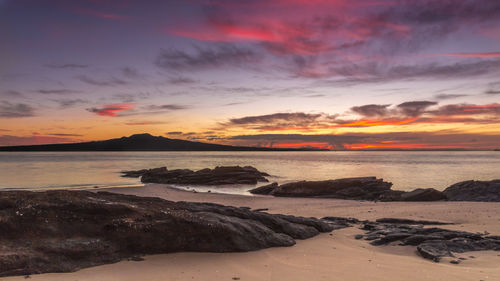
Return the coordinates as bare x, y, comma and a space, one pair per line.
371, 123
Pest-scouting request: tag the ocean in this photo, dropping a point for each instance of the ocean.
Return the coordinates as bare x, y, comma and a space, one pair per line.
406, 170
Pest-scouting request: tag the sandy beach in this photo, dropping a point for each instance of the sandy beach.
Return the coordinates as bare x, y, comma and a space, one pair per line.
335, 256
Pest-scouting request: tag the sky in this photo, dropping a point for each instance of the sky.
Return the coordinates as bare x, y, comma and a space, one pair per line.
334, 74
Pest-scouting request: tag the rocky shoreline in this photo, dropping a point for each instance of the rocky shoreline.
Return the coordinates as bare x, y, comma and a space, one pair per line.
373, 189
361, 188
63, 231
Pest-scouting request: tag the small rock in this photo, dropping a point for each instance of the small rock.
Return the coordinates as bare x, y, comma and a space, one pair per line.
358, 236
455, 261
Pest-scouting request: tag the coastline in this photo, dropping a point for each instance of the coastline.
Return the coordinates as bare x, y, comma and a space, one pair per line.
337, 255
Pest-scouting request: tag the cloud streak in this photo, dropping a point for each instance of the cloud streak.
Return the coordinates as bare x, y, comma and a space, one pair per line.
205, 58
102, 82
110, 110
373, 141
57, 92
470, 55
16, 110
372, 115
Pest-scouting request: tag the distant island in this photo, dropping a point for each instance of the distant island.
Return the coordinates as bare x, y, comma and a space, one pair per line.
144, 142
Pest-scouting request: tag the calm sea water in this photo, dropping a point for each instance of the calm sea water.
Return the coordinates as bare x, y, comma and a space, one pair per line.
407, 170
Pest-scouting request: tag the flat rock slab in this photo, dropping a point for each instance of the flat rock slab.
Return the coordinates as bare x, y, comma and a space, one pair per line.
62, 231
217, 176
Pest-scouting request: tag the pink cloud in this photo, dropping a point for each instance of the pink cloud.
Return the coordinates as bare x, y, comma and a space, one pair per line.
111, 109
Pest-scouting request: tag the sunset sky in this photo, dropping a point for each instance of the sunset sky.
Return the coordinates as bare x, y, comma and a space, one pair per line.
338, 74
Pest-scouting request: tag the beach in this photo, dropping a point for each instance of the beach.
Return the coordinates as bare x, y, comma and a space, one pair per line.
328, 256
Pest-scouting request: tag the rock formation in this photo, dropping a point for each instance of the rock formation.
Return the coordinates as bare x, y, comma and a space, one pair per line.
481, 191
217, 176
371, 188
368, 188
431, 243
62, 231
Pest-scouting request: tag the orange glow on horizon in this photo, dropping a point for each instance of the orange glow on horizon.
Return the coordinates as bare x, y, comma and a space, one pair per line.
361, 146
318, 145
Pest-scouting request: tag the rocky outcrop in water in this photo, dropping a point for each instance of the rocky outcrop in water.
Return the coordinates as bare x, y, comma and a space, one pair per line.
217, 176
431, 243
480, 191
367, 188
421, 195
62, 231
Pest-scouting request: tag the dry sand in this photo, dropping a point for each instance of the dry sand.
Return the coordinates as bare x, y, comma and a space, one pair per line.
326, 257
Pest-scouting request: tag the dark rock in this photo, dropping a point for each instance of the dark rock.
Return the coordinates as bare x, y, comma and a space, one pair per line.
420, 194
408, 221
367, 188
265, 189
62, 231
347, 221
261, 210
358, 236
391, 195
339, 223
480, 191
391, 237
216, 176
432, 243
371, 188
455, 261
417, 239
